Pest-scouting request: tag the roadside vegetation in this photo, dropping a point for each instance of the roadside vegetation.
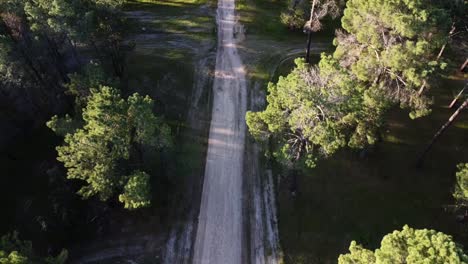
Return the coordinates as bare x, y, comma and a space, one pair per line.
348, 133
410, 246
77, 69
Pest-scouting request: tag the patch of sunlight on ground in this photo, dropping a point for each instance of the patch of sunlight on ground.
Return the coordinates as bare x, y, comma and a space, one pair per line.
393, 139
461, 125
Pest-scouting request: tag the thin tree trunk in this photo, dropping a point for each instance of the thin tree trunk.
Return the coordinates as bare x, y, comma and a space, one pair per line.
441, 131
458, 96
57, 57
25, 57
309, 41
97, 51
116, 58
441, 52
309, 33
464, 65
75, 53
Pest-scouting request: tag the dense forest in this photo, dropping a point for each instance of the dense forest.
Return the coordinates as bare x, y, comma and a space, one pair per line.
234, 131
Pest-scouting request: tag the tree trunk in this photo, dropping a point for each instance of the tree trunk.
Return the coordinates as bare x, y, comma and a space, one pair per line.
440, 132
458, 96
309, 41
75, 53
117, 61
462, 68
441, 52
25, 56
309, 32
57, 58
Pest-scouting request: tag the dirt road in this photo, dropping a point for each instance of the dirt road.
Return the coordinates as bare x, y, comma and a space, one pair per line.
219, 233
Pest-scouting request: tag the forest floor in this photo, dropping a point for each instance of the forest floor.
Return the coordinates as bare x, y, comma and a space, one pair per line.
355, 197
174, 52
350, 197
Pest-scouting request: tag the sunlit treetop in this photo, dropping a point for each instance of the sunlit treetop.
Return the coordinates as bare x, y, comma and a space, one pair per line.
408, 246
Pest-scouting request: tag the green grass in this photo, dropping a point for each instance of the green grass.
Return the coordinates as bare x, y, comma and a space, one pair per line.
163, 67
177, 17
348, 197
173, 3
262, 17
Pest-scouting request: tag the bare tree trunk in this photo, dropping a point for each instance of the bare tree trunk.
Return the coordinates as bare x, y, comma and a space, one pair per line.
57, 58
309, 41
440, 132
117, 60
458, 96
25, 57
441, 52
309, 37
75, 53
464, 65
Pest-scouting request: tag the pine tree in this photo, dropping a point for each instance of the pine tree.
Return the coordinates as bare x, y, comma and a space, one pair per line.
16, 251
387, 53
408, 246
461, 184
99, 152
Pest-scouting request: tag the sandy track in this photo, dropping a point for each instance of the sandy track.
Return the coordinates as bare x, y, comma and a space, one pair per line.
219, 233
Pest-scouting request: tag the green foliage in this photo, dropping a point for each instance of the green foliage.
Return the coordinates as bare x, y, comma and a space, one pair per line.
15, 251
38, 49
148, 129
63, 125
461, 185
50, 16
296, 15
392, 46
387, 54
137, 193
315, 111
408, 246
358, 254
110, 3
11, 243
91, 77
113, 129
12, 258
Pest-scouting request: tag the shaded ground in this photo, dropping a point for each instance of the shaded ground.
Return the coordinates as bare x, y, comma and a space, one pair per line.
359, 197
348, 197
171, 63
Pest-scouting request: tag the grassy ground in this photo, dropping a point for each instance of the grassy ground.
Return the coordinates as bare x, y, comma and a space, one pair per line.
347, 197
163, 65
261, 17
170, 38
